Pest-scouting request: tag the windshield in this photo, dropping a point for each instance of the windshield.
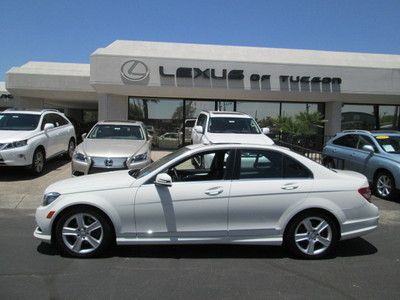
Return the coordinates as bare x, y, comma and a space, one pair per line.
158, 163
19, 121
116, 132
233, 125
389, 143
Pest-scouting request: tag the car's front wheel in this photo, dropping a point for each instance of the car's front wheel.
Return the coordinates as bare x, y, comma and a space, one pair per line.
83, 232
384, 186
71, 149
311, 235
38, 162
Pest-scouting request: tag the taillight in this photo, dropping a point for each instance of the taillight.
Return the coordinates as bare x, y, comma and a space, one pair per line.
366, 193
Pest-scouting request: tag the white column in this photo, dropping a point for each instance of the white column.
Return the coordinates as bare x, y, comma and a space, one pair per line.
333, 115
113, 107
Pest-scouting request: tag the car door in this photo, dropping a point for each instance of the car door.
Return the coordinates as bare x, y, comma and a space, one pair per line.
266, 183
50, 135
361, 157
201, 121
343, 151
195, 206
62, 132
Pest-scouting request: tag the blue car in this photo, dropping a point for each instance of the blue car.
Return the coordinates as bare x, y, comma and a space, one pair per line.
376, 154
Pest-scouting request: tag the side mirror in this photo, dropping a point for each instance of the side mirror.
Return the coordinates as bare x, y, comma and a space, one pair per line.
198, 129
368, 148
48, 126
266, 130
163, 179
83, 135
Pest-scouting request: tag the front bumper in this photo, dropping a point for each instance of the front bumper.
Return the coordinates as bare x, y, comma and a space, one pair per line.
20, 156
80, 168
43, 229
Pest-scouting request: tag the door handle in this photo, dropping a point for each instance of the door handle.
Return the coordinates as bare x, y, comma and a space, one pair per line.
289, 187
214, 191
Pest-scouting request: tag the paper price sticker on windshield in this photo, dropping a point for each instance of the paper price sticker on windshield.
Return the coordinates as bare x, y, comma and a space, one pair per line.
382, 137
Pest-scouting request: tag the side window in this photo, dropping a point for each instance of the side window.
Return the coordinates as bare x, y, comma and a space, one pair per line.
293, 169
260, 164
47, 119
202, 120
364, 140
348, 140
205, 166
60, 121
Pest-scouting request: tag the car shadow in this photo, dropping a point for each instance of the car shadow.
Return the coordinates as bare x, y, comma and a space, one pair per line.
23, 173
348, 248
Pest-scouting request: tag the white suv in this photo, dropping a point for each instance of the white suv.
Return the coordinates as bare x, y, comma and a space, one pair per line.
29, 137
214, 127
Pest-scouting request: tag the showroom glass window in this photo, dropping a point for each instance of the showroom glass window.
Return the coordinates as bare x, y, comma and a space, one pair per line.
358, 117
389, 117
162, 117
263, 112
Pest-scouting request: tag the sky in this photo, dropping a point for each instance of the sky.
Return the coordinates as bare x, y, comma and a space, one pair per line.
69, 31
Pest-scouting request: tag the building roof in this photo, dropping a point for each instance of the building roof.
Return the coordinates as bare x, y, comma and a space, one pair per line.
249, 54
52, 68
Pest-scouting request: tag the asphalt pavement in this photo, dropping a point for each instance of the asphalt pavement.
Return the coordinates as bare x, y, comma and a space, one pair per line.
363, 268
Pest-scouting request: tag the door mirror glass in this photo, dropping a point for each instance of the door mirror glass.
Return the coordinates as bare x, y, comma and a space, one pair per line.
48, 126
266, 130
83, 135
163, 179
199, 129
368, 148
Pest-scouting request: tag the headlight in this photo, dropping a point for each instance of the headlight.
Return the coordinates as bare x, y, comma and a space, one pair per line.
139, 157
16, 144
80, 156
49, 197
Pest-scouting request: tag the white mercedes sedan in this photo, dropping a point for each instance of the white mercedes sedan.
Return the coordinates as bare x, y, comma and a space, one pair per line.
220, 193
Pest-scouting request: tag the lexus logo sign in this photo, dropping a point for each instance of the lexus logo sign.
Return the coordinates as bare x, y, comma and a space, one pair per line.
134, 70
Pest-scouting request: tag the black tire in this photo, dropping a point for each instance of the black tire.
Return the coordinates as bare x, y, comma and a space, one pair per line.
382, 179
38, 162
84, 246
70, 150
329, 163
311, 241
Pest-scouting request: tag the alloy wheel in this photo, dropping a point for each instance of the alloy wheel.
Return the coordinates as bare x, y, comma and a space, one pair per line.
38, 161
313, 236
82, 233
384, 185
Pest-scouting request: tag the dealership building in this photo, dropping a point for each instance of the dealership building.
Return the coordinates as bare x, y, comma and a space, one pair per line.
164, 84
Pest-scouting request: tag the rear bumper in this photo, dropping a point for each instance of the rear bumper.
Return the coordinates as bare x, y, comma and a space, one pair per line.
357, 227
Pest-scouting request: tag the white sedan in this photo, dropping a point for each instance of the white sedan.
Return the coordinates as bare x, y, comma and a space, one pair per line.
249, 194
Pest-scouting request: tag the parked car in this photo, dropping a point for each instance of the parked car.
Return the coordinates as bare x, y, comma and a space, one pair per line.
110, 146
228, 127
375, 154
169, 140
250, 194
31, 137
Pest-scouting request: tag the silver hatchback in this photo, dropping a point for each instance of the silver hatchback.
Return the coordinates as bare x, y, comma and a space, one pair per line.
112, 145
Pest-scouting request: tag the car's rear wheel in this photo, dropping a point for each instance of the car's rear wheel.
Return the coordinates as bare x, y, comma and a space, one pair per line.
71, 149
38, 162
384, 186
83, 232
311, 235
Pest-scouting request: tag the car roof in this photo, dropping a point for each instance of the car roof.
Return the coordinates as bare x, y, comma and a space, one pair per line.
119, 122
31, 111
234, 145
222, 114
372, 132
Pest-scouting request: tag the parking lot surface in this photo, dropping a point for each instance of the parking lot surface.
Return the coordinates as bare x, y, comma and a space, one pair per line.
364, 268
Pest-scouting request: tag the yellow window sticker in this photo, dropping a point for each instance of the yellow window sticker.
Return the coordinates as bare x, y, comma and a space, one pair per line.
382, 137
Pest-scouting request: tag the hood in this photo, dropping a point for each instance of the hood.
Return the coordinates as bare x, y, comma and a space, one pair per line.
8, 136
95, 182
110, 147
215, 138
